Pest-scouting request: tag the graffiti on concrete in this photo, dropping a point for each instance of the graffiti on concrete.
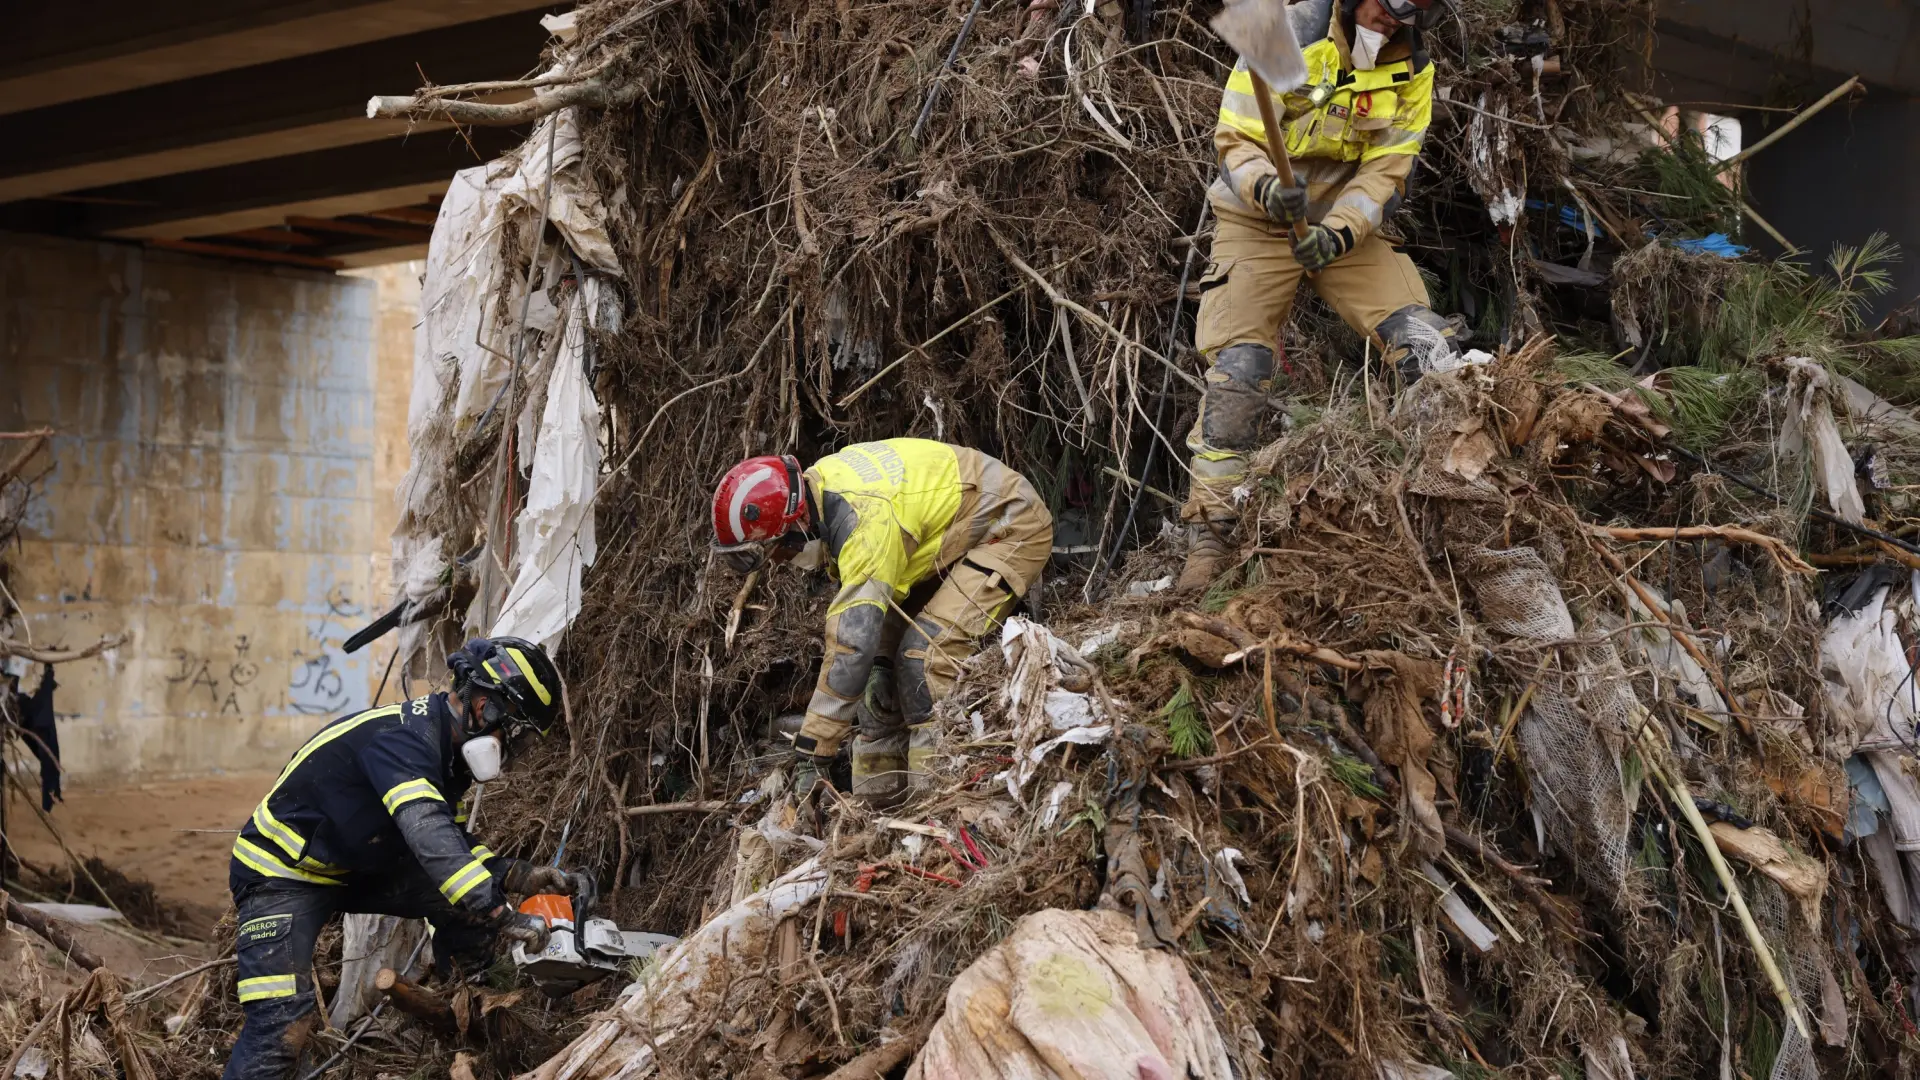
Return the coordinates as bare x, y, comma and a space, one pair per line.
318, 685
196, 673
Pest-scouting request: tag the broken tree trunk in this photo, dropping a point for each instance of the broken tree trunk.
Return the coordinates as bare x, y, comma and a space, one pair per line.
54, 932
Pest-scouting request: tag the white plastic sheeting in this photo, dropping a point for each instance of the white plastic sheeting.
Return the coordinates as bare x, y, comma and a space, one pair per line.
1047, 698
472, 297
1811, 431
554, 540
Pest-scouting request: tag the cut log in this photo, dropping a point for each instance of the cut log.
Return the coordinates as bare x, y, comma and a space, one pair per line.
423, 1005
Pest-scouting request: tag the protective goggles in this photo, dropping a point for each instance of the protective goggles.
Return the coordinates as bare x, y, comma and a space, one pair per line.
742, 558
752, 555
1410, 11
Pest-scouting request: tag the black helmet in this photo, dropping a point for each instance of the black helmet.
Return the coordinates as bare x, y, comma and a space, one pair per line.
515, 669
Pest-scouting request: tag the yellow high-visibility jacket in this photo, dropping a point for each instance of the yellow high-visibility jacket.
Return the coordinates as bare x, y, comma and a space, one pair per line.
893, 514
1351, 136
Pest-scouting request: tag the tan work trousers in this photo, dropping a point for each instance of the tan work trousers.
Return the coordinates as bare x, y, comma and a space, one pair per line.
1246, 295
929, 644
893, 750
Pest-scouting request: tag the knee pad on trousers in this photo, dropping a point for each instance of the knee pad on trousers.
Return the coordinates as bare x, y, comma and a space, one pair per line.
915, 692
878, 713
1233, 408
1417, 340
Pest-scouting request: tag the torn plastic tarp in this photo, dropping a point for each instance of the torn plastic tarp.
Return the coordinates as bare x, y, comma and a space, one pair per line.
554, 538
1072, 994
676, 997
1811, 431
462, 346
1048, 699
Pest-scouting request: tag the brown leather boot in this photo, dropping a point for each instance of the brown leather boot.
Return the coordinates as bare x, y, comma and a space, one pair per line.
1206, 555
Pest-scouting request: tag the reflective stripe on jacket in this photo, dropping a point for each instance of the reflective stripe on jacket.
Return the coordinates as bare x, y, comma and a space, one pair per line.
1351, 136
367, 790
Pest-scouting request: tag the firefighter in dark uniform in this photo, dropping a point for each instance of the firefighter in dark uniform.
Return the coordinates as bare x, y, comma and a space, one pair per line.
363, 820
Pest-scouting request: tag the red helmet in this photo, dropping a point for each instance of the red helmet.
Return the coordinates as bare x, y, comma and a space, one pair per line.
758, 500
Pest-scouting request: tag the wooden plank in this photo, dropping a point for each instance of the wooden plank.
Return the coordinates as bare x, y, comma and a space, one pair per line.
408, 215
400, 233
231, 251
271, 235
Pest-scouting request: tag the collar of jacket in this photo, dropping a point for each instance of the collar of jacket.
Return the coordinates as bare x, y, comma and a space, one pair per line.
441, 713
1402, 47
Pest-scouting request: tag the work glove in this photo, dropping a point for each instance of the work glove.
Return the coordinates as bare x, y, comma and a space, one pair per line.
527, 879
519, 926
808, 770
1284, 205
1321, 247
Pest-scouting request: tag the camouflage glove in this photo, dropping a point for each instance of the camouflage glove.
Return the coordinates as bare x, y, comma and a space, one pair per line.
808, 770
526, 879
1284, 205
1321, 247
530, 931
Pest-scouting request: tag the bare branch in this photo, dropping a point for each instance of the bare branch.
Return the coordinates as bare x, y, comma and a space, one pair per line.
592, 93
10, 647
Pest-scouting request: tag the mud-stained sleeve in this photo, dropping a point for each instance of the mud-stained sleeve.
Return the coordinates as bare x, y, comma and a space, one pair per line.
854, 625
870, 564
443, 851
1242, 157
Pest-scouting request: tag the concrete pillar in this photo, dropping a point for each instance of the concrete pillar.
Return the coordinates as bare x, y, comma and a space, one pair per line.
213, 492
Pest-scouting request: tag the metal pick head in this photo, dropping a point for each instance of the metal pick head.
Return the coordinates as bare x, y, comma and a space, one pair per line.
1261, 32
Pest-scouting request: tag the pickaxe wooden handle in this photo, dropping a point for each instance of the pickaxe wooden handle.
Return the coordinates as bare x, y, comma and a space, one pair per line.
1276, 146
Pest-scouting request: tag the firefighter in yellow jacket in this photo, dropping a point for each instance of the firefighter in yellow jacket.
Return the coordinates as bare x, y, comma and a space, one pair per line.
888, 516
1352, 133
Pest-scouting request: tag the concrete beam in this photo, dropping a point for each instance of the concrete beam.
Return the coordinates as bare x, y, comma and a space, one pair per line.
1691, 65
323, 183
311, 102
54, 53
1879, 40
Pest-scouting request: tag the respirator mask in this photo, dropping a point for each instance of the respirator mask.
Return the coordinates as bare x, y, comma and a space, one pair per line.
483, 754
1366, 47
485, 750
812, 555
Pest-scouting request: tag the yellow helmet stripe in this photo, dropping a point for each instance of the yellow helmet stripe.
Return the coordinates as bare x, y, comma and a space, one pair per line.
533, 680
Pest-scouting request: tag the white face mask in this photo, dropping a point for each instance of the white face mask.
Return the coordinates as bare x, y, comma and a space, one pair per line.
812, 557
482, 754
1366, 47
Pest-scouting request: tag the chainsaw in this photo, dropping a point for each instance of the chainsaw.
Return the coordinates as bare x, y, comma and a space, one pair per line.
583, 954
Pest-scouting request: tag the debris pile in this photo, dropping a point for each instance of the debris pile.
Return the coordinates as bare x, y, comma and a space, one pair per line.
1509, 744
1556, 720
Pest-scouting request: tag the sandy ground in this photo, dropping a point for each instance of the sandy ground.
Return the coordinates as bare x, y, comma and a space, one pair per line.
145, 831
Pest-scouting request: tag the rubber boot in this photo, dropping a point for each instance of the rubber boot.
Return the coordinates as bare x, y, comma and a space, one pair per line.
1206, 555
921, 739
880, 770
